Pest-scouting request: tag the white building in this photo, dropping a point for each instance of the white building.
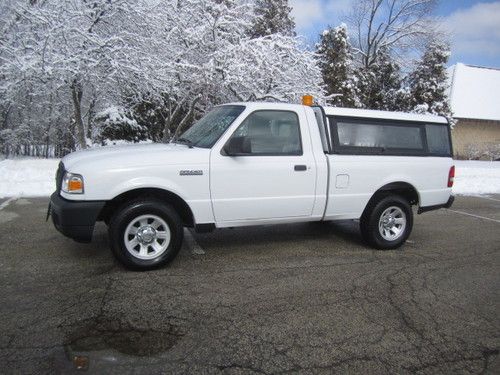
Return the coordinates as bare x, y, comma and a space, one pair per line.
475, 102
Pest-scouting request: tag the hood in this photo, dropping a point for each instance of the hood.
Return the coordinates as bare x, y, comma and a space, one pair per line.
150, 154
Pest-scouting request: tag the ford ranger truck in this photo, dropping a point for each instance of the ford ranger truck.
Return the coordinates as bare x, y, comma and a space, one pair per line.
254, 164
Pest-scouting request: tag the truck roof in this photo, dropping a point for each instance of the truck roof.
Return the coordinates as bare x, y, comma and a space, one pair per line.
387, 115
353, 112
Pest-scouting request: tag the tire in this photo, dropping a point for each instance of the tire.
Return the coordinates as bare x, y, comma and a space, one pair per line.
145, 234
387, 222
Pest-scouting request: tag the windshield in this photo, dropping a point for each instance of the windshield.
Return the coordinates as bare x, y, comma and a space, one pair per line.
210, 127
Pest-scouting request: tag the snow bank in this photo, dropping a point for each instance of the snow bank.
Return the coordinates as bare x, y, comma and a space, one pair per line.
27, 177
35, 177
476, 177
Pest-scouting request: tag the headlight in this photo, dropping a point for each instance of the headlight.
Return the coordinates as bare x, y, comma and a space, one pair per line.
72, 183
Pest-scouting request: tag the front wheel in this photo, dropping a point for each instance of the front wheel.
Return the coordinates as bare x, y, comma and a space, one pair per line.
145, 234
387, 222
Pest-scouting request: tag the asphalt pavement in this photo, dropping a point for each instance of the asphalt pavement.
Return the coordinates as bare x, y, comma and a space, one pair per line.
302, 298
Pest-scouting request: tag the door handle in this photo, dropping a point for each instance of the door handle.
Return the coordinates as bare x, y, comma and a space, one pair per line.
298, 168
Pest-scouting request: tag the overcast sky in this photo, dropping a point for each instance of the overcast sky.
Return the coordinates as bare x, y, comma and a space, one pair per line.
474, 25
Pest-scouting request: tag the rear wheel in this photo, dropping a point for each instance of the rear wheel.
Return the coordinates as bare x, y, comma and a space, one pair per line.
145, 234
387, 222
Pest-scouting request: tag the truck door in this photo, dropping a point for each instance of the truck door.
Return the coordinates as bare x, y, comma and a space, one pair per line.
265, 169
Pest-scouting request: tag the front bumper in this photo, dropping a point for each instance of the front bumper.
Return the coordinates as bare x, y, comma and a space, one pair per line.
74, 219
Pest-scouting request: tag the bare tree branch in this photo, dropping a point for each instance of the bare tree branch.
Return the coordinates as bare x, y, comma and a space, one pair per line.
389, 24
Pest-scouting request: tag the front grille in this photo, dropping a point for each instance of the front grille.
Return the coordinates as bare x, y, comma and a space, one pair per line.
59, 177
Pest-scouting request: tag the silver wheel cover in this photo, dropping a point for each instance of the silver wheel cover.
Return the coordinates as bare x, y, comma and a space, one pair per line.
392, 223
147, 237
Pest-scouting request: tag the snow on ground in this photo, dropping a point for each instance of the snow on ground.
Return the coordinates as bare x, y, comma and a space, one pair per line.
27, 177
476, 177
36, 177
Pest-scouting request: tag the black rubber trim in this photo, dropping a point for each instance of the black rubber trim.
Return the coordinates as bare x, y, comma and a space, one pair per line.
204, 228
326, 129
448, 204
59, 176
75, 219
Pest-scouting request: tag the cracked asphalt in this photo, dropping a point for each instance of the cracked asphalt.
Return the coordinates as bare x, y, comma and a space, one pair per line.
303, 298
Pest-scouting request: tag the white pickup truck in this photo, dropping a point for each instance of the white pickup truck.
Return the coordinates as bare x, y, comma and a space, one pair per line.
258, 163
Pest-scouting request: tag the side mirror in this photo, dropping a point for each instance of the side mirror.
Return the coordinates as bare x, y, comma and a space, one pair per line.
237, 146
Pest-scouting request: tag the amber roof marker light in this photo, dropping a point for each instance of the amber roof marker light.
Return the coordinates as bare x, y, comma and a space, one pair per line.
308, 100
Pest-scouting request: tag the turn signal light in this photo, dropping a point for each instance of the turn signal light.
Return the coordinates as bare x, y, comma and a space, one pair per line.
451, 176
307, 100
75, 185
72, 183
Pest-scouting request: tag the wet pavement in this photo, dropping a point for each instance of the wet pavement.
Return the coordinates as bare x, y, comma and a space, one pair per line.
302, 298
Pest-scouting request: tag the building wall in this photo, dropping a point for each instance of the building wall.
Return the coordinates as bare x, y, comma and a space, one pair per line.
475, 139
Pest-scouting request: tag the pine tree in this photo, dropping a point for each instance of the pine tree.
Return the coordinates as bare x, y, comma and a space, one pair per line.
335, 62
380, 84
273, 16
428, 82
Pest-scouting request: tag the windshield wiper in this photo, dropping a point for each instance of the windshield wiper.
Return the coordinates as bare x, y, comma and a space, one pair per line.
184, 141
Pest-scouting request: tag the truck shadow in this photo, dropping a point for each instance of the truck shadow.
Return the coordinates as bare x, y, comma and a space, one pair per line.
337, 234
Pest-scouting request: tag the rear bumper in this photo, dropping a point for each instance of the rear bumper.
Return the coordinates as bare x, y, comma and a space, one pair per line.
448, 204
74, 219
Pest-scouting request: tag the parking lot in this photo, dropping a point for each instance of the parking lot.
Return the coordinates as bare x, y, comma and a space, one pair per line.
301, 298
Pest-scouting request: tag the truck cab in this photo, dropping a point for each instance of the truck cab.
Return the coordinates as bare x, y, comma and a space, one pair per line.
254, 164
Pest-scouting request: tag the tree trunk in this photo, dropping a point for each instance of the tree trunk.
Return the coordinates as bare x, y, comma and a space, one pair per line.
187, 117
171, 117
90, 118
47, 131
166, 130
77, 93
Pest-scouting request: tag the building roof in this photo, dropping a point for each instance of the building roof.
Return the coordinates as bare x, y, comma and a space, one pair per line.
474, 92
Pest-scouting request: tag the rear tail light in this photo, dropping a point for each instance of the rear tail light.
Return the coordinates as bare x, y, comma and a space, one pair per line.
451, 176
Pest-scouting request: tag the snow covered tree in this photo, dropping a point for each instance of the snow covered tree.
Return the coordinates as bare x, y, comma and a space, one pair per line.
428, 81
273, 16
216, 61
492, 151
116, 123
164, 62
335, 62
380, 84
150, 113
89, 50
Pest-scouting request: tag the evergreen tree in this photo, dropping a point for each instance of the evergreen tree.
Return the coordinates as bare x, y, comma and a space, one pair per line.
273, 16
428, 82
380, 84
335, 62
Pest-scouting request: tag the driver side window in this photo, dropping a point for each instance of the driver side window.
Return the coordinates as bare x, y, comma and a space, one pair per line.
269, 132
